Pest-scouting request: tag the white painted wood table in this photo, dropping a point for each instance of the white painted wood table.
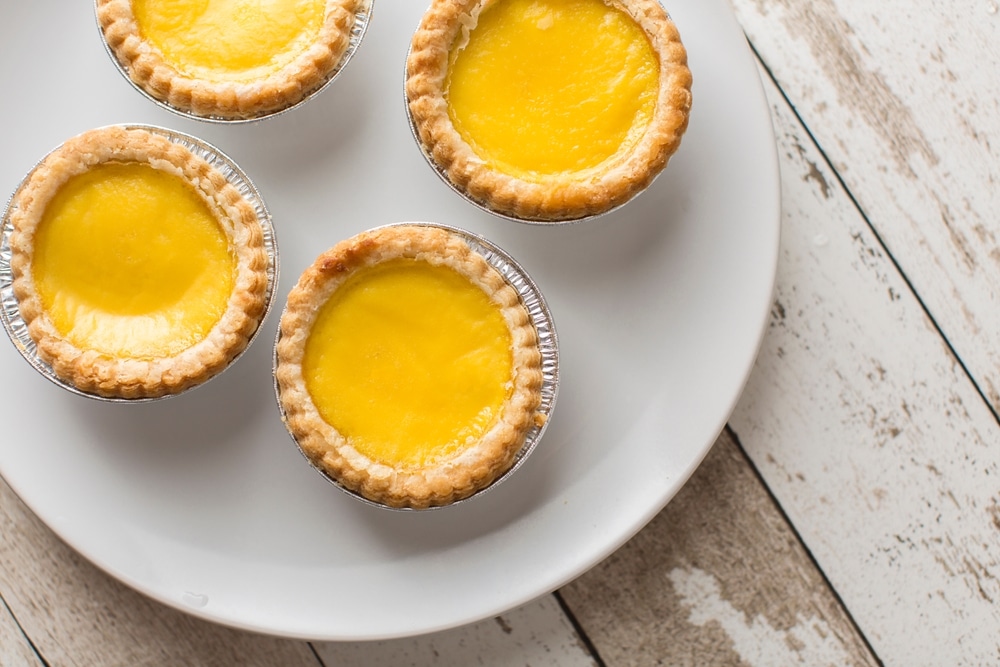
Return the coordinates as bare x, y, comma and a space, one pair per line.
849, 513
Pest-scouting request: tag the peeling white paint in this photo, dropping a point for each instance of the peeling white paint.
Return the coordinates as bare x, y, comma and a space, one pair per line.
810, 641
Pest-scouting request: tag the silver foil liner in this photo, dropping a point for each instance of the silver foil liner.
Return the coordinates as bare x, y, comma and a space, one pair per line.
548, 344
10, 314
361, 20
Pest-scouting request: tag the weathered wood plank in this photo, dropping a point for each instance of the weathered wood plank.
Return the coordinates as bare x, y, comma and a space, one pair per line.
77, 615
717, 578
905, 101
869, 433
15, 650
537, 634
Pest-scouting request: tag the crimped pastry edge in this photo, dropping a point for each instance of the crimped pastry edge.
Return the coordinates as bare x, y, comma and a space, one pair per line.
147, 68
445, 481
103, 375
558, 197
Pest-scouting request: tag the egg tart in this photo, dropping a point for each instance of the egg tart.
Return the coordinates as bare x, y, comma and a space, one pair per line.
231, 59
408, 369
138, 269
548, 110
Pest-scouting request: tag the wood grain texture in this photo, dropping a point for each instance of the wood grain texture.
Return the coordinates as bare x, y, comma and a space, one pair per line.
717, 578
15, 650
905, 101
868, 431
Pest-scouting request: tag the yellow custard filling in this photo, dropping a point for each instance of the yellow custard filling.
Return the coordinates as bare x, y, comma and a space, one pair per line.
551, 86
129, 261
229, 40
409, 361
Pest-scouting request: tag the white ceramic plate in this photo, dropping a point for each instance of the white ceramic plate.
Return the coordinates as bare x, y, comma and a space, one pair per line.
203, 502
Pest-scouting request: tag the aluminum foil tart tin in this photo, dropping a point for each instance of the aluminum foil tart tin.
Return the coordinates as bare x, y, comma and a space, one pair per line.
361, 20
10, 314
548, 343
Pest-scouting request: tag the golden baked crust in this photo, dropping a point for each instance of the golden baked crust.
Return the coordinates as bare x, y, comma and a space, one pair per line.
101, 374
556, 197
148, 69
411, 486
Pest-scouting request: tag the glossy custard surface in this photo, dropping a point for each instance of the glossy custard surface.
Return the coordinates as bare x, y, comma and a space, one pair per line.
551, 86
131, 262
409, 361
229, 40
